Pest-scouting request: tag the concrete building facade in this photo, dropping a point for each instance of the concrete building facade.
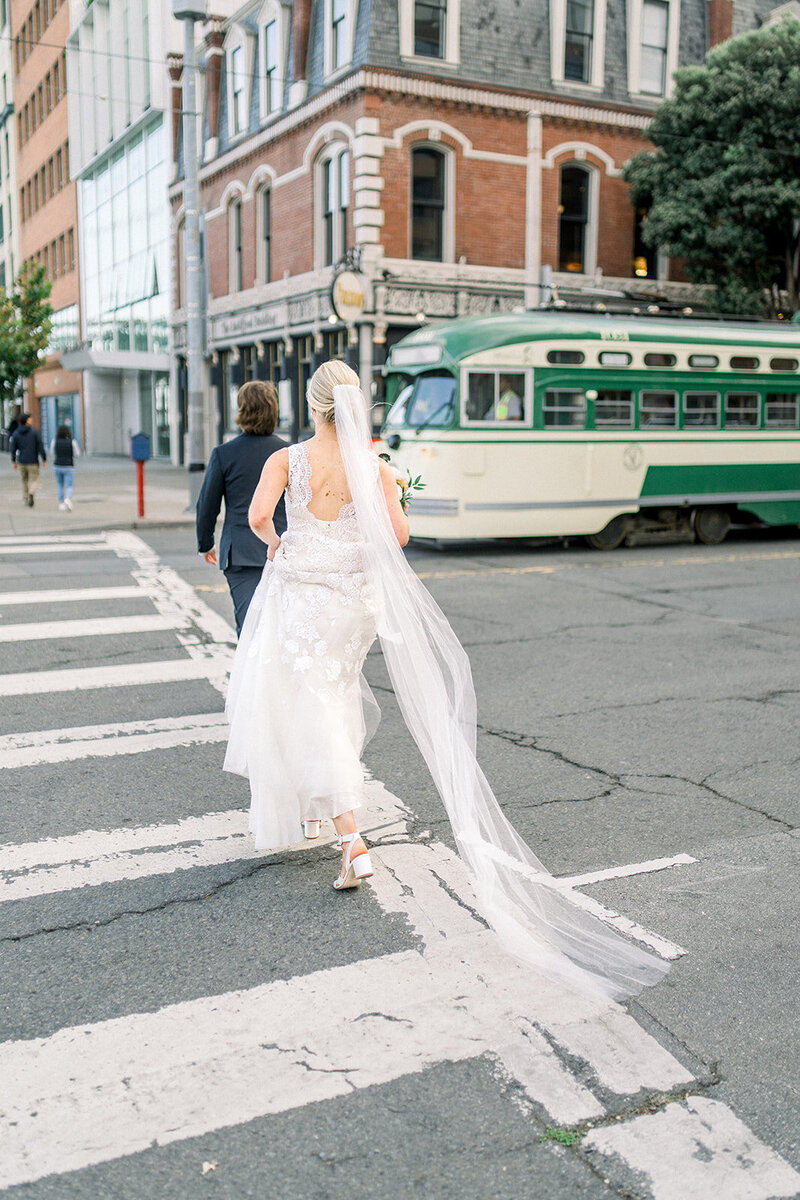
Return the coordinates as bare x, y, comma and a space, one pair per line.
46, 199
427, 158
9, 240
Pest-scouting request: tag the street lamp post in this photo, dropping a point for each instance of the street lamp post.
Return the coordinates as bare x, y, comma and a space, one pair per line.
190, 11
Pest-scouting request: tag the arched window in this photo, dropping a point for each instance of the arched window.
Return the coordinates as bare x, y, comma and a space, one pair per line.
235, 245
428, 203
573, 219
333, 190
264, 234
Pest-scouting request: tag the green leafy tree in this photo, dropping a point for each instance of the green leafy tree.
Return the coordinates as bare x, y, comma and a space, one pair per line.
25, 314
723, 184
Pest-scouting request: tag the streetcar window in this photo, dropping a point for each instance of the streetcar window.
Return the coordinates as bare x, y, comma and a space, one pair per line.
574, 357
703, 360
658, 410
744, 362
742, 410
613, 410
433, 401
783, 364
660, 360
614, 358
495, 396
701, 408
780, 410
396, 417
565, 408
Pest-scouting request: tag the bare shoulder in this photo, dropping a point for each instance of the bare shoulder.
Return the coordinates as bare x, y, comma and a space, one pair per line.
388, 472
278, 462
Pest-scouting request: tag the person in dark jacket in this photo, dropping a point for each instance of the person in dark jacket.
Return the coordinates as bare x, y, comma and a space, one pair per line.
26, 451
232, 475
63, 451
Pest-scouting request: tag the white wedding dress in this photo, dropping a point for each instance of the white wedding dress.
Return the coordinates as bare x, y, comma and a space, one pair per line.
300, 711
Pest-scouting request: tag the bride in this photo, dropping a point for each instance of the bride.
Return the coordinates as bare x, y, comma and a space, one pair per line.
300, 711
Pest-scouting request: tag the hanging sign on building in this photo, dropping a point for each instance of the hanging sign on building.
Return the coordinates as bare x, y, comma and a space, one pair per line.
348, 296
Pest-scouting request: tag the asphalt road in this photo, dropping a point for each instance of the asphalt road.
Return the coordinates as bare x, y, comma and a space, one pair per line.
635, 706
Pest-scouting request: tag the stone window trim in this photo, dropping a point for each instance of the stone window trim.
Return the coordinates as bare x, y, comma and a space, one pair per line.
634, 12
272, 11
452, 38
238, 39
558, 34
448, 153
593, 174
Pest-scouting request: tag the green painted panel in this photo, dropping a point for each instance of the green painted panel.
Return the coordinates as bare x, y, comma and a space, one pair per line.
773, 512
703, 479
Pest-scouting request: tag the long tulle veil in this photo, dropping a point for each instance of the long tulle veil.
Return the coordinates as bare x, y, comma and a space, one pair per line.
432, 681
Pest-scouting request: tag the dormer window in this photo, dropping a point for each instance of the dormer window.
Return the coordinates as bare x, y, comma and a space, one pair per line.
430, 29
340, 19
272, 40
237, 90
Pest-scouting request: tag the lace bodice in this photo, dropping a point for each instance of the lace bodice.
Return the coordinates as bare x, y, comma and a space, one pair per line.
298, 498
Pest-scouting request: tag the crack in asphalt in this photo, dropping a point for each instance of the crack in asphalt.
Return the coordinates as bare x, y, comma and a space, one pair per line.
618, 781
304, 859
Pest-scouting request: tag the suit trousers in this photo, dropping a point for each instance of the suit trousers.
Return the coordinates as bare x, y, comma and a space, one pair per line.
242, 582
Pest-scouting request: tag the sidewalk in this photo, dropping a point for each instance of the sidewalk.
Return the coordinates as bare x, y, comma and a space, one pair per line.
105, 498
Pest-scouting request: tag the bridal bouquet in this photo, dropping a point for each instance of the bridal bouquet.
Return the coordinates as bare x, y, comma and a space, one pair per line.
408, 484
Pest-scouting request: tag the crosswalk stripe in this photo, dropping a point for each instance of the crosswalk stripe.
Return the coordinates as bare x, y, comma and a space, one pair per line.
54, 548
171, 670
38, 631
70, 595
106, 741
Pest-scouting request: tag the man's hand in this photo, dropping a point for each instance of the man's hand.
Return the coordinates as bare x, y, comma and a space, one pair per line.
211, 556
14, 465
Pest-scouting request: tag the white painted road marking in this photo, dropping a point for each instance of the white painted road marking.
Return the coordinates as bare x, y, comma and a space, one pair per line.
169, 670
52, 547
116, 1087
643, 868
37, 631
697, 1150
71, 595
106, 741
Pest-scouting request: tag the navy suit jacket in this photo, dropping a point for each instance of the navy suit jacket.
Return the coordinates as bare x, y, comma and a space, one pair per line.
232, 474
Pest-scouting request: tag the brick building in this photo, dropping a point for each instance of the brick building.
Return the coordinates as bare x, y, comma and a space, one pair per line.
47, 201
451, 157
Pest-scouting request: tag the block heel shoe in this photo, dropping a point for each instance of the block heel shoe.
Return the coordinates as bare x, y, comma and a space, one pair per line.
356, 868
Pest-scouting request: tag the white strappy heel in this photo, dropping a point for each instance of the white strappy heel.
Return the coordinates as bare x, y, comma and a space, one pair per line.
311, 829
355, 869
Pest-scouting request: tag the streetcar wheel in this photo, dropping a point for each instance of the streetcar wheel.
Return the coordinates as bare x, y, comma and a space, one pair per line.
612, 536
711, 525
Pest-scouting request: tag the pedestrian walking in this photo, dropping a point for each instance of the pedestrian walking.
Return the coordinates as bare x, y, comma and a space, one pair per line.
63, 451
232, 475
26, 452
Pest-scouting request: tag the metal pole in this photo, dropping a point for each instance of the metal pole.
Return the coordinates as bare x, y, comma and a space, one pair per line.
195, 295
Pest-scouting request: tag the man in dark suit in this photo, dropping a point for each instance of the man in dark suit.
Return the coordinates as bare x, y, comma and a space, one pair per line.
232, 474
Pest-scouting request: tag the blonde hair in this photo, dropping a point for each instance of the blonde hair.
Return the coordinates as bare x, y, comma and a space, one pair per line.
322, 383
258, 407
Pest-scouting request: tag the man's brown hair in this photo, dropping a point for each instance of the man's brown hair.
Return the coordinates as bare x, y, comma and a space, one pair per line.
258, 407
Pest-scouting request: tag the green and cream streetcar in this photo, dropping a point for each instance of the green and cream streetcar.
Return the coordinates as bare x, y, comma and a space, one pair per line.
548, 423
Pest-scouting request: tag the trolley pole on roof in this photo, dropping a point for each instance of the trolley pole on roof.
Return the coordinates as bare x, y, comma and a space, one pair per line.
191, 11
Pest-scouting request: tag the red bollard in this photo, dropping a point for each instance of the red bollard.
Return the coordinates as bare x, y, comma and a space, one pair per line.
140, 486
